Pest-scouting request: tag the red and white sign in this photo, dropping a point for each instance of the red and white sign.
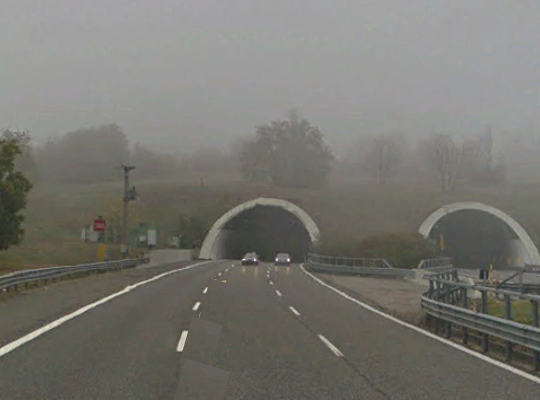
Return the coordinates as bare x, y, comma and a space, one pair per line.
100, 225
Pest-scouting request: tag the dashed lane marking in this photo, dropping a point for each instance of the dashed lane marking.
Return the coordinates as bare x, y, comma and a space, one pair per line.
328, 344
295, 312
182, 341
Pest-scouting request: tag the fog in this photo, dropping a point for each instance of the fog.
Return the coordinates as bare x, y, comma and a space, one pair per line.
182, 73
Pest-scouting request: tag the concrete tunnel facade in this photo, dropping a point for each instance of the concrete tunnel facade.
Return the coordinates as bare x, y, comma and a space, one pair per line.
523, 248
213, 246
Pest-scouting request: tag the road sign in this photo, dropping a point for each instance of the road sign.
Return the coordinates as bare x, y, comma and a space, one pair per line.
152, 237
100, 225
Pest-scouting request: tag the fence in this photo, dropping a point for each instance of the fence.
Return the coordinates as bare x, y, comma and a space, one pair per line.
450, 302
8, 282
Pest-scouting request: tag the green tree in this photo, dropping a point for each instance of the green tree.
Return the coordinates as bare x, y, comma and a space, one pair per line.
86, 155
151, 164
192, 229
14, 187
25, 161
287, 153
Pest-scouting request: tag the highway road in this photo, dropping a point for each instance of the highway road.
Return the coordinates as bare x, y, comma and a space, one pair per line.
265, 332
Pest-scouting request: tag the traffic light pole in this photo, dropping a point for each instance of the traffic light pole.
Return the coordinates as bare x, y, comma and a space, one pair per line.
129, 194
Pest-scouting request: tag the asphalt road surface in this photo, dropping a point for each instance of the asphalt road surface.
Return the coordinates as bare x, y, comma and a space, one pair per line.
264, 332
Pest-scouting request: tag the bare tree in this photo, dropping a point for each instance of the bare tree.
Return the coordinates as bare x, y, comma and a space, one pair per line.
481, 167
446, 158
383, 155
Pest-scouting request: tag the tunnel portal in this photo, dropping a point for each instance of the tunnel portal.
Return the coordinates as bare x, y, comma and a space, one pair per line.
265, 226
476, 235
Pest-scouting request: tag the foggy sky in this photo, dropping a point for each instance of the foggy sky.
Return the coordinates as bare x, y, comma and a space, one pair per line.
202, 71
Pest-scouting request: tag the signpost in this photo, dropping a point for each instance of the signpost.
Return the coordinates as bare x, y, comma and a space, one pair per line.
100, 225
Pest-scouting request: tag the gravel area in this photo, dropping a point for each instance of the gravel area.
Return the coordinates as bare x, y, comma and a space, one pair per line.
397, 297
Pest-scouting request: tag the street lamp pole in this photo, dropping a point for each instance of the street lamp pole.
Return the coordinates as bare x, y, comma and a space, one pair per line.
129, 195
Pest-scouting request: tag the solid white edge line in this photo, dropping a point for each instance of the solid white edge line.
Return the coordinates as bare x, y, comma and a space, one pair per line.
456, 346
294, 311
196, 306
329, 344
278, 293
38, 332
205, 290
182, 341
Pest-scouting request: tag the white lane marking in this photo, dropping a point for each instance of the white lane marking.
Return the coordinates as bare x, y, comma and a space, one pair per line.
219, 274
294, 311
227, 270
38, 332
278, 293
328, 344
205, 289
182, 341
426, 333
271, 283
196, 306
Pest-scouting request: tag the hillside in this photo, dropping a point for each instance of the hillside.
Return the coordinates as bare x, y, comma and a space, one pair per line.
348, 207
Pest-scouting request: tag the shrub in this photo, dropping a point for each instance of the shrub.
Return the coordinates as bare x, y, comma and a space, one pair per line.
401, 250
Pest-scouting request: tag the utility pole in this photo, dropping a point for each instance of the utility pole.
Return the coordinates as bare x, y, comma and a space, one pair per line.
129, 195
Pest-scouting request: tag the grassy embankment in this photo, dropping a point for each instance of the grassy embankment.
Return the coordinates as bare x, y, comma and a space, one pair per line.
347, 208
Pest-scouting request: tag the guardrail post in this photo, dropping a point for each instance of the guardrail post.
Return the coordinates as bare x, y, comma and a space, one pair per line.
465, 304
436, 297
536, 354
485, 310
448, 299
508, 315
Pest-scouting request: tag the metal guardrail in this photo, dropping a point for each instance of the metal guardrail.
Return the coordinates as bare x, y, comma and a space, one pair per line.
349, 262
448, 300
435, 263
7, 282
375, 266
355, 266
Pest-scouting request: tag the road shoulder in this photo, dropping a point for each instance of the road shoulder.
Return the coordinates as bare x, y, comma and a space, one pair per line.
397, 297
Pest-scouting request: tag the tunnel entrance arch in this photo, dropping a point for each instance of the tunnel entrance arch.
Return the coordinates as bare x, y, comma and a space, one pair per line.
301, 227
523, 247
